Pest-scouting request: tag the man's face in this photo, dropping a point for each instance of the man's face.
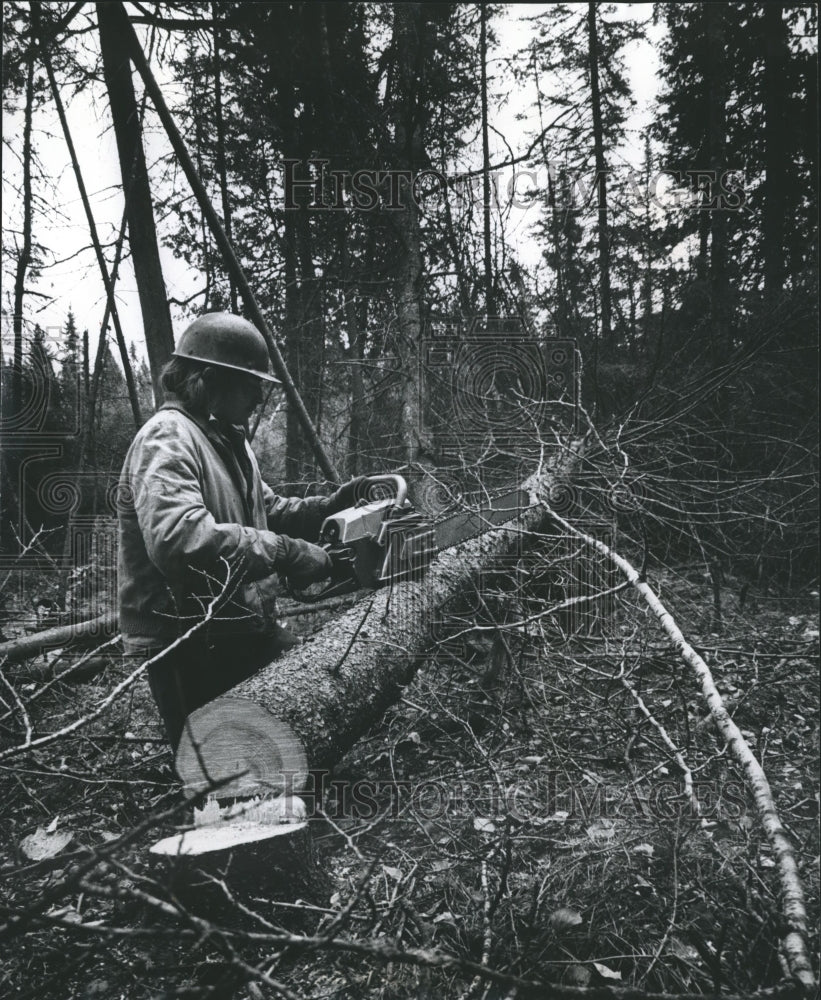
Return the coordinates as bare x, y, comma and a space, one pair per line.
235, 395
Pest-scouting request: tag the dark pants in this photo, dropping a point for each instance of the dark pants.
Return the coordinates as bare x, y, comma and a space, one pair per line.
204, 667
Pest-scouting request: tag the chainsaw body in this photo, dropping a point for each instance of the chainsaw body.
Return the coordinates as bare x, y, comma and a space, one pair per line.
380, 541
387, 540
373, 543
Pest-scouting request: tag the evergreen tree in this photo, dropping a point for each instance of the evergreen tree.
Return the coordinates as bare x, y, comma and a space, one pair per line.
142, 379
579, 50
42, 375
765, 210
71, 388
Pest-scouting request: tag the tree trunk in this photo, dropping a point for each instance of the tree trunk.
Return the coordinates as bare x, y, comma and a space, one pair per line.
304, 336
311, 334
601, 174
408, 30
647, 276
142, 234
24, 257
490, 305
716, 141
221, 167
304, 333
356, 324
776, 145
328, 692
86, 377
293, 312
11, 500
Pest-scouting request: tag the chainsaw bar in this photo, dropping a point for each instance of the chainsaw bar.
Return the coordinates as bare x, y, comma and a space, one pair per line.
491, 513
410, 547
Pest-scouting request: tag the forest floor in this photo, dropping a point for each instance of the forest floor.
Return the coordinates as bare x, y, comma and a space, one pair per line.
516, 809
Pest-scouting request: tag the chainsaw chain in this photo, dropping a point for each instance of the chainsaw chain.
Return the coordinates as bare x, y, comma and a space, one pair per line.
519, 501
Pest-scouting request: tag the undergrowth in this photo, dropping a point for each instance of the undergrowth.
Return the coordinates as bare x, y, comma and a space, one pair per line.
515, 809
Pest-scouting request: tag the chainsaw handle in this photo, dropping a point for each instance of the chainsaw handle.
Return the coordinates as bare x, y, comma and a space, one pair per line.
330, 590
342, 577
398, 483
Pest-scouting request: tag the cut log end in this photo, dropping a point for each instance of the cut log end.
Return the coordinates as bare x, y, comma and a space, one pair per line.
235, 741
251, 850
209, 839
219, 829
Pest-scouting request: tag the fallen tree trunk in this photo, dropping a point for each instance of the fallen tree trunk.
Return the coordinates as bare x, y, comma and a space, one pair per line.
101, 628
330, 690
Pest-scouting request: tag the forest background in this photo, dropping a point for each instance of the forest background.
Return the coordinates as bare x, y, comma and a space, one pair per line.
686, 278
470, 252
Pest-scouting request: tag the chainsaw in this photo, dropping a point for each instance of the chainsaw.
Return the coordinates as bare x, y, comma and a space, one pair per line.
386, 540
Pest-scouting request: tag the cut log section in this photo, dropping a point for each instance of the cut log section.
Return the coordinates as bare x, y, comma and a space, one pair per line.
248, 751
330, 690
246, 823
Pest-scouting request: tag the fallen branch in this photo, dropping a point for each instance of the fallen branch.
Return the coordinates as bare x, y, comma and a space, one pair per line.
793, 904
27, 646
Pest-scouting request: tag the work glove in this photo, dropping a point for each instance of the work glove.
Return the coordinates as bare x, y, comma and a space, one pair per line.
348, 495
301, 562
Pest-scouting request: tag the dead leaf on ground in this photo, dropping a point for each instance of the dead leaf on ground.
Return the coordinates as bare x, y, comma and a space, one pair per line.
601, 831
44, 844
675, 946
605, 972
564, 918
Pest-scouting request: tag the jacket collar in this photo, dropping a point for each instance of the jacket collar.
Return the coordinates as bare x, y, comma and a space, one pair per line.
209, 425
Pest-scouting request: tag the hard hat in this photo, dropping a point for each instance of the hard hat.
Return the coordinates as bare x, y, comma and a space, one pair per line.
220, 338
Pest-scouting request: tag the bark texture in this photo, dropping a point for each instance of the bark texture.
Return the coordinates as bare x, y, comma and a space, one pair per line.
142, 233
409, 22
601, 174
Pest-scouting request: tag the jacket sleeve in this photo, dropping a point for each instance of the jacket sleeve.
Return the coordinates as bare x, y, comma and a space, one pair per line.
299, 518
180, 533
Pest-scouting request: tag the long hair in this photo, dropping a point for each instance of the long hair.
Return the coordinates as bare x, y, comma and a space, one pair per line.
185, 378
